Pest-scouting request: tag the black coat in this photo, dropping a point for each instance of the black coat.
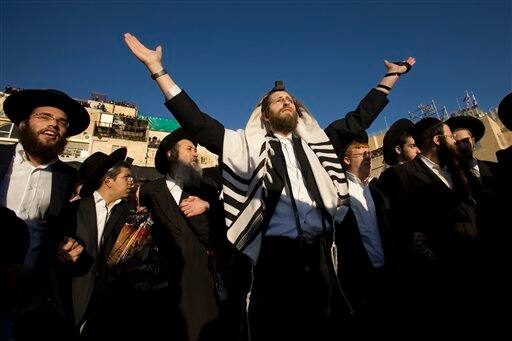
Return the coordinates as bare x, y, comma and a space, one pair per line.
183, 242
441, 251
63, 181
87, 285
356, 271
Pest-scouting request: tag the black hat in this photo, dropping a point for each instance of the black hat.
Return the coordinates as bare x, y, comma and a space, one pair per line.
161, 162
505, 111
473, 124
95, 167
419, 127
19, 105
396, 131
344, 141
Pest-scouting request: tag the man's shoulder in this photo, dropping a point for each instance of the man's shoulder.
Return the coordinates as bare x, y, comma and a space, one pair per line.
6, 149
62, 167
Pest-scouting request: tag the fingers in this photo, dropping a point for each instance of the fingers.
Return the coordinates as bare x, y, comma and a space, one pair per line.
411, 60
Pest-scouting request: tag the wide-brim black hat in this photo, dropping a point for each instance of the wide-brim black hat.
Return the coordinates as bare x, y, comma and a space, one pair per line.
346, 140
161, 161
425, 123
505, 111
95, 167
20, 105
473, 124
395, 132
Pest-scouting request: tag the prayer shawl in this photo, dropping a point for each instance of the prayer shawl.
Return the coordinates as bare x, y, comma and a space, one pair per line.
247, 174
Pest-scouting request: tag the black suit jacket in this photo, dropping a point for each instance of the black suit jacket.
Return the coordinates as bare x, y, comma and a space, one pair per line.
88, 280
357, 273
183, 243
436, 229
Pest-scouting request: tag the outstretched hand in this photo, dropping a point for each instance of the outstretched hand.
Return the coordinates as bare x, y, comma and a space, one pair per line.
151, 58
392, 67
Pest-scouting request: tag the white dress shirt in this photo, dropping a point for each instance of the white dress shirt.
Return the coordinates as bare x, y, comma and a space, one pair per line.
442, 172
361, 202
175, 188
102, 214
283, 221
474, 169
26, 189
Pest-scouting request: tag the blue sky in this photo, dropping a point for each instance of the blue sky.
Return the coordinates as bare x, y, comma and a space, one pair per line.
226, 54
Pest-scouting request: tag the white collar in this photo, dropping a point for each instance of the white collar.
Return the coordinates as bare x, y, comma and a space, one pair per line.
171, 182
21, 157
358, 181
432, 164
99, 199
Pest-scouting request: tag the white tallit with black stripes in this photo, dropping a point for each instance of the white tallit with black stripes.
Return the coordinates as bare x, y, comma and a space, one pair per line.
245, 172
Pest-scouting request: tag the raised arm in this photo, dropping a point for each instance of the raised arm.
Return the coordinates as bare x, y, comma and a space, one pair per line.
355, 122
208, 131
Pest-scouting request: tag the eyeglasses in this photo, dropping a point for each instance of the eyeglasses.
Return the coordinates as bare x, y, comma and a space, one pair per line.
45, 117
364, 155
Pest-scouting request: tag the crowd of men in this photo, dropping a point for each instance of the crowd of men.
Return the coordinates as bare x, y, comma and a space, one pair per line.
291, 239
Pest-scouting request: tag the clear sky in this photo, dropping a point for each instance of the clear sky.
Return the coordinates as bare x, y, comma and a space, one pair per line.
226, 54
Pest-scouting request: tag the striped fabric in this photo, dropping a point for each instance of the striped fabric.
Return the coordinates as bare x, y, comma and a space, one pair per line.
247, 172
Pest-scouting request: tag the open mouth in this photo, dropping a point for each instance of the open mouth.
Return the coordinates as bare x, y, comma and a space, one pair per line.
50, 133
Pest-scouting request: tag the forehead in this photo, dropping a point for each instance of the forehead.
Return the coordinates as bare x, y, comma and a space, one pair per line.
278, 94
461, 133
185, 144
56, 112
409, 140
125, 171
446, 129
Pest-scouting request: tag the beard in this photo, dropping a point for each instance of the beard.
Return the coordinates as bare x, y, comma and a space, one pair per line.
283, 122
189, 176
29, 139
450, 157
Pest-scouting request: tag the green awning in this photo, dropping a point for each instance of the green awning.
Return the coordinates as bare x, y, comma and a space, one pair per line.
161, 123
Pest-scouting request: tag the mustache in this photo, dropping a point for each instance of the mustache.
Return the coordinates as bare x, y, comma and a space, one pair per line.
42, 131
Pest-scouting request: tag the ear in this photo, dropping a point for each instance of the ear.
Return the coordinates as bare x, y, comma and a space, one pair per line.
346, 161
169, 155
23, 124
108, 182
398, 150
437, 140
264, 117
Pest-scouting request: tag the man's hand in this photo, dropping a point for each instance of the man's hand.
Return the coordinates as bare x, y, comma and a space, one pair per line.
69, 250
151, 58
387, 82
193, 206
391, 67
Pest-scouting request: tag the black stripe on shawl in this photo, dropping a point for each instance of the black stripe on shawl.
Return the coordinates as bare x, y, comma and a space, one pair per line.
328, 159
327, 143
233, 202
229, 215
248, 231
337, 170
232, 187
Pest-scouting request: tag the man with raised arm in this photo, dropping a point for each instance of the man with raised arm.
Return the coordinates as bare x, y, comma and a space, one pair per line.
284, 190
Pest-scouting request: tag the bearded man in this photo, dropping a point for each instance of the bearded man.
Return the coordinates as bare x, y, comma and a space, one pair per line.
34, 183
184, 208
283, 188
435, 212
